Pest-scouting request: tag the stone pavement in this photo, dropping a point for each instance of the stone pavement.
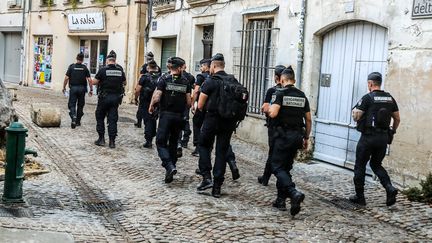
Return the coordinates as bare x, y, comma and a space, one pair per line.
102, 195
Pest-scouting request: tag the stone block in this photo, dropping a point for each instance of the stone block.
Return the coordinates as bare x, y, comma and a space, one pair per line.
45, 115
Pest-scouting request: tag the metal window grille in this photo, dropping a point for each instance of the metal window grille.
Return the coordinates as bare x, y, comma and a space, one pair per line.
256, 60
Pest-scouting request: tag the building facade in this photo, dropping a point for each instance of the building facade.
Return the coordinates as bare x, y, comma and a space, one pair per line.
333, 51
57, 32
11, 45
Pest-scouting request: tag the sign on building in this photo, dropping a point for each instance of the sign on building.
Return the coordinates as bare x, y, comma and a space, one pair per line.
422, 9
86, 21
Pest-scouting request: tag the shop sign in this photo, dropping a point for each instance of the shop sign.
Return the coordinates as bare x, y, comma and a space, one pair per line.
86, 21
422, 9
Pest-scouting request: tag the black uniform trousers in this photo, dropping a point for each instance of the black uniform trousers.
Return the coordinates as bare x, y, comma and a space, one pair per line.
139, 114
268, 168
197, 122
107, 107
285, 146
170, 126
77, 101
186, 131
215, 127
149, 120
371, 147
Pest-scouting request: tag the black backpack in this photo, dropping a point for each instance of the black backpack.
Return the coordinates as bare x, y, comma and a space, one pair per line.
233, 98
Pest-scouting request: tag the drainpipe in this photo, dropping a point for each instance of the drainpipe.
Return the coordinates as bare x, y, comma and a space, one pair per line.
300, 52
127, 48
23, 54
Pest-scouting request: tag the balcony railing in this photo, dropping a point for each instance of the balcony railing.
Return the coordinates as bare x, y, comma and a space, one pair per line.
196, 3
163, 6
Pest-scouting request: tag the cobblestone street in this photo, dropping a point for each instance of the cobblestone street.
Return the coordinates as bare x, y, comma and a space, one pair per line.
98, 194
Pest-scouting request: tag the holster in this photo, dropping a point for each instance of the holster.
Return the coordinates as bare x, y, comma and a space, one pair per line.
391, 134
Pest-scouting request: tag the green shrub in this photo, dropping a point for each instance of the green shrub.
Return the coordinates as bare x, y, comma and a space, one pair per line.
421, 195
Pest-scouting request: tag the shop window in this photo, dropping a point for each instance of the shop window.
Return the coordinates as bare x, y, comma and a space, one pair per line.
256, 60
43, 50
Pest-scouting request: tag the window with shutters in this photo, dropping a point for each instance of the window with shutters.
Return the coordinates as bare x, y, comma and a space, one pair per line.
256, 62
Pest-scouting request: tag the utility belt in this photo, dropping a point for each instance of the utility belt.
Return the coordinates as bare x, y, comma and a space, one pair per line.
282, 131
169, 113
372, 130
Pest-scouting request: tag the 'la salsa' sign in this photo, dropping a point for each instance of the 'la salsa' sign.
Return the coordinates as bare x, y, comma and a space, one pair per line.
86, 21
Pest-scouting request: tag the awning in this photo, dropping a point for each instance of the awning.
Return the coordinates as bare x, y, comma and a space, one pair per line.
263, 9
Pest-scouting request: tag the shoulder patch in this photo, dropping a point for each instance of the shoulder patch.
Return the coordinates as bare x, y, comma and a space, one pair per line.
293, 101
113, 73
181, 88
383, 99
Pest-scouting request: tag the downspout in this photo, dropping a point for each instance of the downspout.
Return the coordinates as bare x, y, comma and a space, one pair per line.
23, 42
300, 52
127, 48
27, 49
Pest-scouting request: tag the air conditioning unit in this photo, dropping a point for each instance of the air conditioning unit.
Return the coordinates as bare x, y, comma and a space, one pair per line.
14, 3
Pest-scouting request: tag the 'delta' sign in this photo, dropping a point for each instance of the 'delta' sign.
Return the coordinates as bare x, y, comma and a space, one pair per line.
422, 9
86, 21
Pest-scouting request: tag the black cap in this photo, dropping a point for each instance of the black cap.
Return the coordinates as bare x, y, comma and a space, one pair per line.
375, 76
279, 69
149, 54
176, 62
218, 57
112, 55
289, 71
80, 56
205, 61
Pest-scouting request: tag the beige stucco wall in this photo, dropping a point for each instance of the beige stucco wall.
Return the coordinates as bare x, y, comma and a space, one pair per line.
408, 76
228, 20
122, 30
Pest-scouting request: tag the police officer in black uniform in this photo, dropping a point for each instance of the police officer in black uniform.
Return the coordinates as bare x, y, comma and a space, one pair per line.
186, 131
269, 98
214, 126
144, 90
173, 92
111, 80
292, 126
198, 119
198, 116
373, 114
149, 58
77, 76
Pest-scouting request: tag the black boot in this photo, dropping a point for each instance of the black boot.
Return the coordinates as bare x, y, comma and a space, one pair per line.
78, 122
147, 144
234, 170
205, 184
358, 199
73, 123
195, 153
100, 141
112, 143
296, 200
137, 125
280, 204
170, 172
198, 172
179, 152
391, 195
263, 180
216, 191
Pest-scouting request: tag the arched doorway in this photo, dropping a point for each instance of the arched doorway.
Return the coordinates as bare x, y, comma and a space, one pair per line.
350, 52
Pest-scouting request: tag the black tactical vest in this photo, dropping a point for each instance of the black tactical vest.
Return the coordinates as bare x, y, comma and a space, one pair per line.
112, 82
292, 112
174, 96
149, 86
379, 113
